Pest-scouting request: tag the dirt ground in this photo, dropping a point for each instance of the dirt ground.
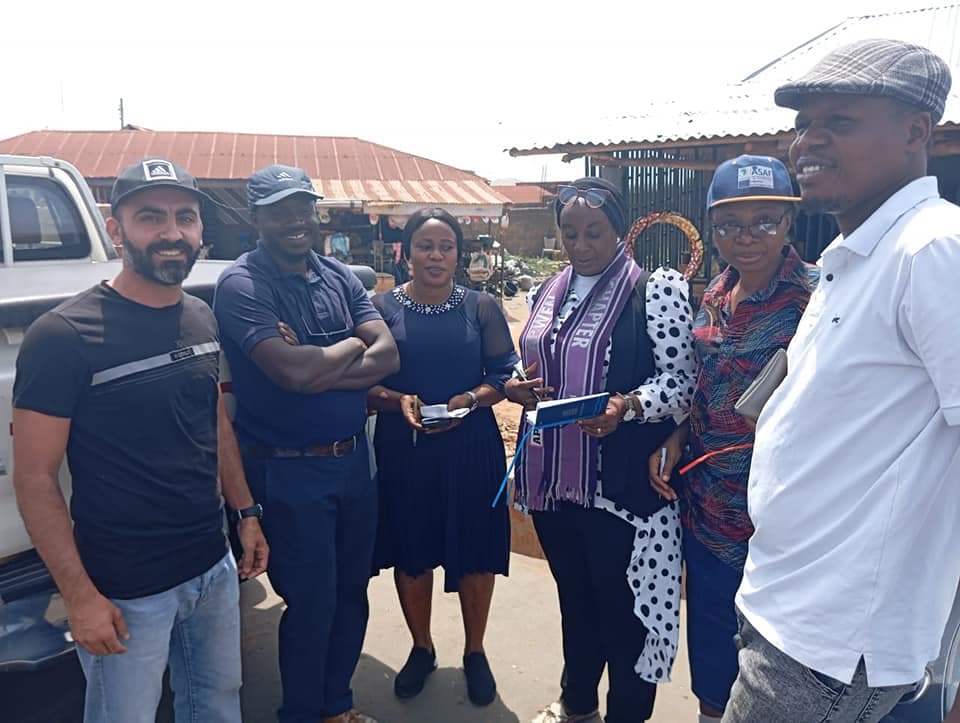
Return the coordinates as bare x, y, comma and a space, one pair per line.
508, 413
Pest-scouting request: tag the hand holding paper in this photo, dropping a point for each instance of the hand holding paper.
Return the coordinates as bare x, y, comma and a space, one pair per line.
440, 412
606, 423
558, 412
439, 418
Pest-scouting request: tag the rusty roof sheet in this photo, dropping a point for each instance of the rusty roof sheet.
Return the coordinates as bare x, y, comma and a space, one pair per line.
341, 168
528, 193
746, 109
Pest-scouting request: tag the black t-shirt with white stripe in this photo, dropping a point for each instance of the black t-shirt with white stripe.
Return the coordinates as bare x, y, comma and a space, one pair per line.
139, 385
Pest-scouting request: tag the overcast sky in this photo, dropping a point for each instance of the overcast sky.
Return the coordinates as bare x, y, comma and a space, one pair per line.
453, 81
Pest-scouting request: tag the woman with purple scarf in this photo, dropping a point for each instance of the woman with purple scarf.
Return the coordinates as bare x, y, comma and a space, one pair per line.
613, 544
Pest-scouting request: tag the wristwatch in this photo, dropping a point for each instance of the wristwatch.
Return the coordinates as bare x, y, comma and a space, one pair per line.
474, 401
255, 511
631, 413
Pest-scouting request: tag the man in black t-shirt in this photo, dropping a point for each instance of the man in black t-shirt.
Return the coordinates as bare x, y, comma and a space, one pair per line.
122, 379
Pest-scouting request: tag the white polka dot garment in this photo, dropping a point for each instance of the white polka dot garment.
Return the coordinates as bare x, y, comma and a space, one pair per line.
655, 562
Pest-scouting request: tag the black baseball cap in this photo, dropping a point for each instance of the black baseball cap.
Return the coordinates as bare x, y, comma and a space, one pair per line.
154, 173
275, 183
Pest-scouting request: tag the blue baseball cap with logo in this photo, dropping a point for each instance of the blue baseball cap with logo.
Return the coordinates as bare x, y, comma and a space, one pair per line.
751, 178
275, 183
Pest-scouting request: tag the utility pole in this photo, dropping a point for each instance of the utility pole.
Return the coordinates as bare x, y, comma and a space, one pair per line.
122, 124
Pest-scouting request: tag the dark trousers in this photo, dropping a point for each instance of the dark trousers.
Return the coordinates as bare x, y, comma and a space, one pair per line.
320, 519
589, 552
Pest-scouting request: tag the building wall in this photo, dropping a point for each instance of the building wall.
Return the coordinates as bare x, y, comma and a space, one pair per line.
526, 230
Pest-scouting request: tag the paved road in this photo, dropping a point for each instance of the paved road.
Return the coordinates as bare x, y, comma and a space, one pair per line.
523, 647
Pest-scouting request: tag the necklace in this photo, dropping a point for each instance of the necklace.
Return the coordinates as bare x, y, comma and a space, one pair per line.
453, 301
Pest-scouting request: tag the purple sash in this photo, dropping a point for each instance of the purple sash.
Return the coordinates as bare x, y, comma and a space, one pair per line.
564, 466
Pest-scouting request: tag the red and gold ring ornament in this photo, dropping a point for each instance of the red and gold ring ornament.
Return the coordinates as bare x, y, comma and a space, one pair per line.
674, 219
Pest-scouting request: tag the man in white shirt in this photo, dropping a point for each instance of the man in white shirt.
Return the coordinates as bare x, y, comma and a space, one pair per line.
855, 483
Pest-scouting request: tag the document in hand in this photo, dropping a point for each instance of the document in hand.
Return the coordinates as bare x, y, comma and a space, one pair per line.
437, 414
558, 412
555, 413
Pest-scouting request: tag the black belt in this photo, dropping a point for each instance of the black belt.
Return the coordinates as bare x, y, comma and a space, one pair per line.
339, 448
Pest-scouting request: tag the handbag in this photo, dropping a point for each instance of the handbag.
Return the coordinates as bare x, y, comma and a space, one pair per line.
752, 401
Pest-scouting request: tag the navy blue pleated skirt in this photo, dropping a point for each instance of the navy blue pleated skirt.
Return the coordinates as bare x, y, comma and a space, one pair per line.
435, 499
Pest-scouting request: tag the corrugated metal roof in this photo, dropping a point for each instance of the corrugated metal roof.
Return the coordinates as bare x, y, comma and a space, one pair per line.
934, 27
747, 109
529, 193
341, 168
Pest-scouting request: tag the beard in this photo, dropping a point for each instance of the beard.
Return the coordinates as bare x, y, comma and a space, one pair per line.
825, 206
148, 264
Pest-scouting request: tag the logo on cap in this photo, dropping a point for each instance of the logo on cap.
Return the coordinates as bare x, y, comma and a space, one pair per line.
159, 171
755, 177
284, 176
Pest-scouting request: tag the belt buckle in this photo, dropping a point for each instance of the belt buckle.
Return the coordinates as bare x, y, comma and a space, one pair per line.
336, 447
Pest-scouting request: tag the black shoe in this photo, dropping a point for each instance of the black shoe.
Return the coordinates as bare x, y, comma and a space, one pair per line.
481, 687
413, 675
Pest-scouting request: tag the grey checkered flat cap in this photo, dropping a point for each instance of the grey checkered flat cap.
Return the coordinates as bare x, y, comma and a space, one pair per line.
891, 68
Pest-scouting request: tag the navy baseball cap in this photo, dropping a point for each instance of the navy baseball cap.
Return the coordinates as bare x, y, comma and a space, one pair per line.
750, 178
154, 173
275, 183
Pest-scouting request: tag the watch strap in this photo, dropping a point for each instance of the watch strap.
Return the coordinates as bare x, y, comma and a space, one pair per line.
474, 399
254, 511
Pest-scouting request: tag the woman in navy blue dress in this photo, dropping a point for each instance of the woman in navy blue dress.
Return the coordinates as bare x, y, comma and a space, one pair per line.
437, 482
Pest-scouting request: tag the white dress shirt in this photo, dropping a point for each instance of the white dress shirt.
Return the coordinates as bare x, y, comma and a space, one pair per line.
855, 482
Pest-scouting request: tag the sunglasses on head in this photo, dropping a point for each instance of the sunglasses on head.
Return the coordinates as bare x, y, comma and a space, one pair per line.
593, 197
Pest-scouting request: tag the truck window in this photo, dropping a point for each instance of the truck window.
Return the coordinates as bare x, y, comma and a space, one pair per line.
44, 222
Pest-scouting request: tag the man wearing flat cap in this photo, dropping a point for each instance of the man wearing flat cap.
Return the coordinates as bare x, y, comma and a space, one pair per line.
854, 488
300, 419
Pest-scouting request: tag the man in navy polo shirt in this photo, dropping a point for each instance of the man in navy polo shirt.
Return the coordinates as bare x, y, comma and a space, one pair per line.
300, 414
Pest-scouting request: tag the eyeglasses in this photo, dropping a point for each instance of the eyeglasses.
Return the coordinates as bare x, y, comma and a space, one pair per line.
756, 230
593, 197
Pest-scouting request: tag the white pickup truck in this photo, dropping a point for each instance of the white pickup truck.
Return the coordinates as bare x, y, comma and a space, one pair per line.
54, 245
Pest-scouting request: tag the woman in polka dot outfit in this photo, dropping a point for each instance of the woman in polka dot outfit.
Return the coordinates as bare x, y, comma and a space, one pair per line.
613, 544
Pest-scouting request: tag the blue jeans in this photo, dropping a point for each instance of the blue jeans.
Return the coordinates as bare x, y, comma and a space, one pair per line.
772, 686
711, 622
194, 626
320, 518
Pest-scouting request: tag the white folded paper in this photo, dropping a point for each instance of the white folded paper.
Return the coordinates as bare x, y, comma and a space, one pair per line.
440, 411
